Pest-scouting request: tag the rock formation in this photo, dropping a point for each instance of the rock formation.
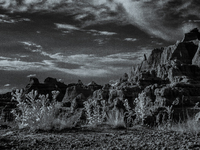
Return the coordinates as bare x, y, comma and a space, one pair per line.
170, 76
49, 85
75, 89
175, 71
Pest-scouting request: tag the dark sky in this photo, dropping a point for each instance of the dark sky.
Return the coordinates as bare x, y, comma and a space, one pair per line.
86, 39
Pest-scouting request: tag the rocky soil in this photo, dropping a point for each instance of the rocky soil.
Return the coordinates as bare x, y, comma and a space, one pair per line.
137, 137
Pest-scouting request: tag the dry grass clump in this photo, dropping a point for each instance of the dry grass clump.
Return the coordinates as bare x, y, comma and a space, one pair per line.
115, 118
191, 125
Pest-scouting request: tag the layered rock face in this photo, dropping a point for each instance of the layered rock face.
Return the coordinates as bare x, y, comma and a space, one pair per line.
174, 63
175, 71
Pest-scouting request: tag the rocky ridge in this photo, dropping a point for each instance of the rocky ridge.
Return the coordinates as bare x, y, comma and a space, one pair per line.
169, 75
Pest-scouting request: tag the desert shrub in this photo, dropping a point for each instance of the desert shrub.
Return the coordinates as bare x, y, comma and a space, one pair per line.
115, 118
191, 125
95, 112
39, 113
143, 107
150, 113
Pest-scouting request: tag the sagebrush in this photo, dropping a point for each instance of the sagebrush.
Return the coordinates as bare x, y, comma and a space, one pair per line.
38, 112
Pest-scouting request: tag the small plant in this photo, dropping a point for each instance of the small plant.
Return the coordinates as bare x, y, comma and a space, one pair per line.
143, 107
115, 118
95, 112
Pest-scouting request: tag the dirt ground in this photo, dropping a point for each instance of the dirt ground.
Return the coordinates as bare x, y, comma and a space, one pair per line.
98, 138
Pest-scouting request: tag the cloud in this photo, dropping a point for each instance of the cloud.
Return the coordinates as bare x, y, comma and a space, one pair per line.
107, 33
66, 26
35, 48
130, 39
7, 19
7, 85
5, 90
83, 65
31, 75
17, 65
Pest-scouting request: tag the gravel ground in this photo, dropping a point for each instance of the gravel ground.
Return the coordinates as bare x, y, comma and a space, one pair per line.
98, 138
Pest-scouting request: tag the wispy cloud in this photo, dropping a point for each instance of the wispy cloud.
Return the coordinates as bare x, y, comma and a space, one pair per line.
7, 19
70, 28
106, 33
7, 85
87, 65
130, 39
18, 65
31, 75
35, 48
66, 26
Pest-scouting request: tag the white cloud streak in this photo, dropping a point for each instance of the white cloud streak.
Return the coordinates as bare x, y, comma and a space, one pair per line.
130, 39
87, 65
66, 26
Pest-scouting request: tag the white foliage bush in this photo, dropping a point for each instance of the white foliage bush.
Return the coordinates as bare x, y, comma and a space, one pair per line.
95, 113
37, 112
143, 107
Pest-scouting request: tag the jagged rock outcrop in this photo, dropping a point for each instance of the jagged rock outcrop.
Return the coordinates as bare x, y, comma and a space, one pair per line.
49, 85
192, 35
74, 89
94, 86
173, 63
171, 75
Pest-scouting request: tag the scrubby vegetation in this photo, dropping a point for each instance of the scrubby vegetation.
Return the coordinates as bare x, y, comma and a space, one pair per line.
37, 112
115, 118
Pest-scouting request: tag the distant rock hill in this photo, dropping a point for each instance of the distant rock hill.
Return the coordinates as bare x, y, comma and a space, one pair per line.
169, 75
